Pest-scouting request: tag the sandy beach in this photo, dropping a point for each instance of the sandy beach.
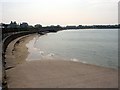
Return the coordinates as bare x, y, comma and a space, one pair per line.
53, 73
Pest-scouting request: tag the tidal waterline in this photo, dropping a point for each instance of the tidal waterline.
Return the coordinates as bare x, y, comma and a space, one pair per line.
93, 46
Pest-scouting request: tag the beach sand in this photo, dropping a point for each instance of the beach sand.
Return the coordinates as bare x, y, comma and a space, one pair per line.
53, 73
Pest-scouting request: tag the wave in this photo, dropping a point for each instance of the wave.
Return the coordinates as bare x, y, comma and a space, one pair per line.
51, 54
77, 60
41, 52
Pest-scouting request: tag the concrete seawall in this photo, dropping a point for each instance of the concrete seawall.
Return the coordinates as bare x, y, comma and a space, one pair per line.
5, 43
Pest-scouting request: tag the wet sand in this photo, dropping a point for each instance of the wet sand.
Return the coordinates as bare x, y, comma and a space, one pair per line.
53, 73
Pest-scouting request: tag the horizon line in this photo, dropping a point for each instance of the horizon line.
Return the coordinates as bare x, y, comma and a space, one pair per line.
57, 24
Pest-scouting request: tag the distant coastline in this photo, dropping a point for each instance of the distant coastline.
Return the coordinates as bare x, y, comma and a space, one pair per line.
24, 26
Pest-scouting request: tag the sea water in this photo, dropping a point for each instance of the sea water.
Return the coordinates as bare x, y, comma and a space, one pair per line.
91, 46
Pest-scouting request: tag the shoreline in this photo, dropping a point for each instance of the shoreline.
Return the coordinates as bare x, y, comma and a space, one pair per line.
54, 73
17, 50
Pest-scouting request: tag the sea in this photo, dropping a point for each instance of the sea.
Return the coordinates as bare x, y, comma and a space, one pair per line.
89, 46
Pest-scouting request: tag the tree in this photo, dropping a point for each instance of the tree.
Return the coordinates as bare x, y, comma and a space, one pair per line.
38, 26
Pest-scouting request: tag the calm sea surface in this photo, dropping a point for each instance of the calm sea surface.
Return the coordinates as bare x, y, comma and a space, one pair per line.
93, 46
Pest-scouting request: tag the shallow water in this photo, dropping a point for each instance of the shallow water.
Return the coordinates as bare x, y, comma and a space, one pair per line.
93, 46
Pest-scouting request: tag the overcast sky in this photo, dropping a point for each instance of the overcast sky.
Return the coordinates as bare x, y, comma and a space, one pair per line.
63, 12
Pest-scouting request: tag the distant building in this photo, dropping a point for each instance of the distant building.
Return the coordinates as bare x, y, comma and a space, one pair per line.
12, 25
24, 25
2, 25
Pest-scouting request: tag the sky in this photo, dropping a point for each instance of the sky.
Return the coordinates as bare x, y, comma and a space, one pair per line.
62, 12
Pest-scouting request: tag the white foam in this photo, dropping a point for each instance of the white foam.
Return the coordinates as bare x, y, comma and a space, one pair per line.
41, 52
51, 54
83, 62
75, 60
